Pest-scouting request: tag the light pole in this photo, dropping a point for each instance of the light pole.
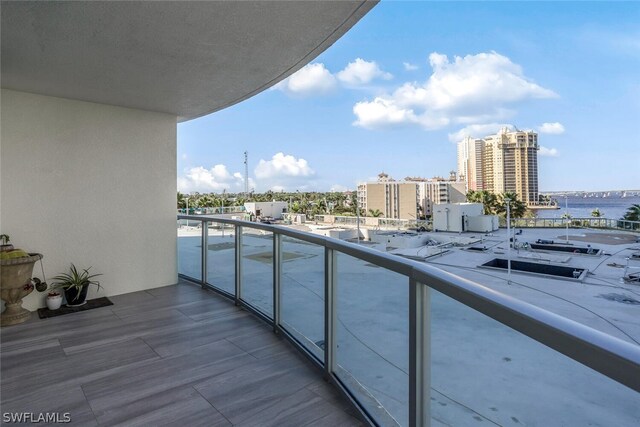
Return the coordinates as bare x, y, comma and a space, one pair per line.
508, 202
187, 199
566, 215
358, 215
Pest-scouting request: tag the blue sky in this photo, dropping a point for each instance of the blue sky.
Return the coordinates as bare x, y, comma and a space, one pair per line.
397, 91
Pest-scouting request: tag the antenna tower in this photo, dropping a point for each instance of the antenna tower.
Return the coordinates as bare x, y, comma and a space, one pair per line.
246, 174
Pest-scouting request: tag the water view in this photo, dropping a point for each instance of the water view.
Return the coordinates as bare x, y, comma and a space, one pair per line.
581, 207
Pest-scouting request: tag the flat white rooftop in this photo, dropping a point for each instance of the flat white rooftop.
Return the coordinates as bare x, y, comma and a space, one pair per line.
591, 302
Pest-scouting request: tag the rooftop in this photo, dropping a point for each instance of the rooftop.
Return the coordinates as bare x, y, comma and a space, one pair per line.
586, 302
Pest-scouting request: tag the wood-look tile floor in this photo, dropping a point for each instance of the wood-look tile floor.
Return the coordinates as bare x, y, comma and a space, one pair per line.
176, 355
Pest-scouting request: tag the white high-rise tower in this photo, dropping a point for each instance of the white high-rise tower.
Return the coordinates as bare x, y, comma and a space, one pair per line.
504, 162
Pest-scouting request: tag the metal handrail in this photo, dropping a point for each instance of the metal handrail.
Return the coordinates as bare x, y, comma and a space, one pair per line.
611, 356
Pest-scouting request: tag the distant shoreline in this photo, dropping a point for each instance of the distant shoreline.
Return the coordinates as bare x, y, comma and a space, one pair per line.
581, 207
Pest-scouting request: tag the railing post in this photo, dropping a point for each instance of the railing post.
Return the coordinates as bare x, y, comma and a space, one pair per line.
330, 311
204, 252
419, 355
238, 239
277, 275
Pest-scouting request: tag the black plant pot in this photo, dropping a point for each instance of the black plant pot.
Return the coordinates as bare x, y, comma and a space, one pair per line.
73, 299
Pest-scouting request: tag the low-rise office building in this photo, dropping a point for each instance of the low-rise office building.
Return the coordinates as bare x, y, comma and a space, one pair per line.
436, 191
411, 198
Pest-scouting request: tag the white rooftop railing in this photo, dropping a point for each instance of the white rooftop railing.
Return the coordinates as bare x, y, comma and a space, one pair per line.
591, 222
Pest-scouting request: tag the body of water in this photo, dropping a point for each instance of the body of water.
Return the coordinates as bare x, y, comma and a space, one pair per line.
579, 207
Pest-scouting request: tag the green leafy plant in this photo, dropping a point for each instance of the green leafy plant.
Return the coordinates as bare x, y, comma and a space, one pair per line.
75, 279
633, 213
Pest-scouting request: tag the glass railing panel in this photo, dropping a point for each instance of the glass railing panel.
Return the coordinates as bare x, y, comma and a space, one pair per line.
189, 248
302, 293
257, 269
372, 337
221, 257
483, 372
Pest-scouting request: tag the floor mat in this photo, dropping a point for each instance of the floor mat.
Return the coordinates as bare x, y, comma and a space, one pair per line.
91, 304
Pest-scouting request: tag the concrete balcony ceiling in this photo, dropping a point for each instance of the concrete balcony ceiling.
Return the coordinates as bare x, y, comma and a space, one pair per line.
184, 58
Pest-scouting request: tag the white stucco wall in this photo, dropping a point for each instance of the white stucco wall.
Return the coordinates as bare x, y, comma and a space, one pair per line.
271, 209
448, 216
90, 184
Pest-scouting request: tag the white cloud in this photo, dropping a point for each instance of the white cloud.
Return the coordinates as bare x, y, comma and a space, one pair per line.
477, 131
360, 72
382, 112
316, 79
409, 66
468, 89
548, 152
216, 179
283, 165
552, 128
312, 79
284, 172
337, 188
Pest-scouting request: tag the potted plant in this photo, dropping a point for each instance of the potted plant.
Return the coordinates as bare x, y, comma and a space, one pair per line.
16, 266
5, 246
75, 284
54, 300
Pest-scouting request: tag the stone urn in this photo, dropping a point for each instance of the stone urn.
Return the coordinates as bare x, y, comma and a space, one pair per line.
15, 284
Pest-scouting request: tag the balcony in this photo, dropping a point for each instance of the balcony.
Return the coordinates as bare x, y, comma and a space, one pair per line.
92, 91
409, 344
399, 343
176, 354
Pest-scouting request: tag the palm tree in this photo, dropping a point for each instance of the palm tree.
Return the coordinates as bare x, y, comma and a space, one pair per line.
206, 200
340, 199
321, 205
181, 200
518, 208
488, 200
633, 213
375, 213
596, 213
296, 207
